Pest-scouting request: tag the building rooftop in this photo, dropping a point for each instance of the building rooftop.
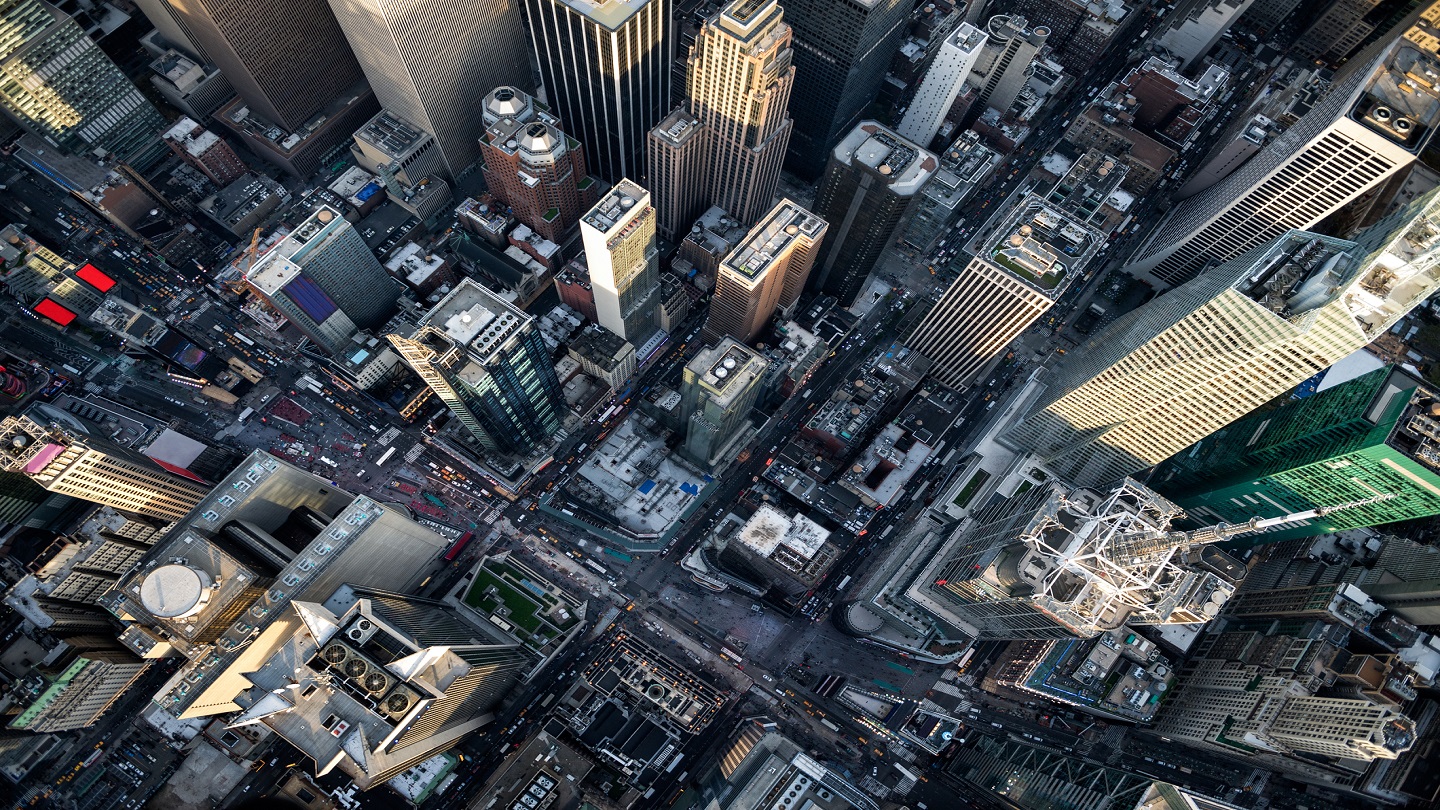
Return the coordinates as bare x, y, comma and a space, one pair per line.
476, 318
391, 134
609, 14
280, 265
413, 264
677, 127
727, 370
769, 529
1040, 244
618, 207
600, 346
905, 165
195, 139
785, 223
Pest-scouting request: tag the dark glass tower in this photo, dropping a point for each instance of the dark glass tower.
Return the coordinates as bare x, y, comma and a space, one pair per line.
606, 69
873, 177
60, 86
842, 49
1378, 434
485, 359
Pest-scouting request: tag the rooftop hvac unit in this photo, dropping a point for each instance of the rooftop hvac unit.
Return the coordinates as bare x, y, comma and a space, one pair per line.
335, 654
355, 668
375, 682
396, 704
361, 630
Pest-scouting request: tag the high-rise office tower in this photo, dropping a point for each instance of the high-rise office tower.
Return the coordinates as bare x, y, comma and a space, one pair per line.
675, 154
873, 177
485, 360
1249, 712
325, 280
717, 391
941, 83
1265, 15
93, 469
63, 88
1058, 563
1338, 30
282, 595
619, 238
1080, 32
1374, 435
534, 167
1194, 360
390, 145
433, 62
740, 79
1003, 68
1021, 268
84, 685
605, 68
842, 50
287, 61
1194, 26
400, 679
765, 273
1378, 115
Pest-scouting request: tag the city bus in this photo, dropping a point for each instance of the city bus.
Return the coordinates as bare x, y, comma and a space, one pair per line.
458, 546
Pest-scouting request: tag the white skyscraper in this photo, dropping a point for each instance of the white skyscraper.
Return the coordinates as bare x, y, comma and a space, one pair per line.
1376, 118
619, 238
941, 83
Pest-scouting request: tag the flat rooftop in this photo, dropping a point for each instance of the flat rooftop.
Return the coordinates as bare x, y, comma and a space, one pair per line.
677, 127
611, 14
391, 134
904, 164
727, 369
1040, 244
769, 528
771, 238
615, 209
472, 316
277, 267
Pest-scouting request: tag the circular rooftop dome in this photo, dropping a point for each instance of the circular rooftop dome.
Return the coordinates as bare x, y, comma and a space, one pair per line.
175, 590
537, 139
505, 102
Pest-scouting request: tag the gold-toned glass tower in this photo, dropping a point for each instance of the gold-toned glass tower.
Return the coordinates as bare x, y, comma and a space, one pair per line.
93, 469
740, 79
1194, 360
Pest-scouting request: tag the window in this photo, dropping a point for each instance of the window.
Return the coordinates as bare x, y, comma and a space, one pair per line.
330, 721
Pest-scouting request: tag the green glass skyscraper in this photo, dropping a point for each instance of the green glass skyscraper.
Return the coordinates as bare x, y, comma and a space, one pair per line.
1378, 434
58, 84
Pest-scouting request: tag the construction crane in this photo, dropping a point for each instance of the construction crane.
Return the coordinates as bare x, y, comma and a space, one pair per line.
237, 286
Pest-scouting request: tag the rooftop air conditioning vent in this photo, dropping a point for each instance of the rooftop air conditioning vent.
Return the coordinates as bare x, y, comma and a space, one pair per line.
335, 654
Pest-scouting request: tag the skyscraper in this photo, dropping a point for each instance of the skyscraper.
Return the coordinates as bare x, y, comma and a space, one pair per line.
941, 83
740, 78
1021, 268
1003, 68
717, 391
63, 88
619, 238
873, 177
1054, 562
1374, 435
1080, 31
534, 167
83, 687
1195, 26
325, 280
675, 154
93, 469
1246, 711
485, 360
842, 50
1377, 116
282, 595
432, 63
1337, 31
1210, 351
287, 61
605, 67
765, 273
398, 679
